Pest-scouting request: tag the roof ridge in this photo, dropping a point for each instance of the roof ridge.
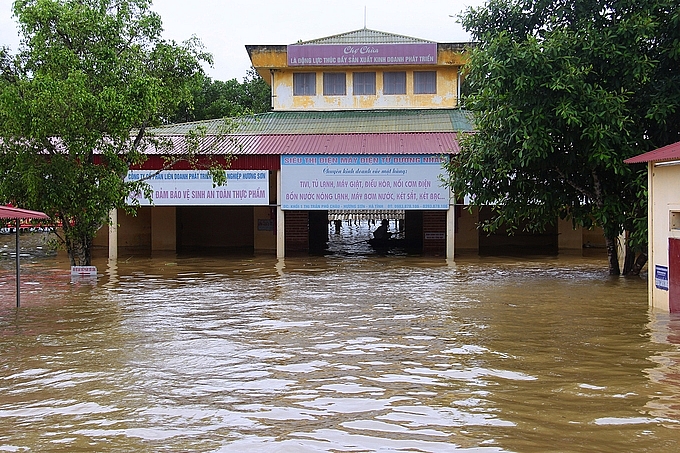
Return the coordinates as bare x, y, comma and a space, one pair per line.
361, 36
303, 122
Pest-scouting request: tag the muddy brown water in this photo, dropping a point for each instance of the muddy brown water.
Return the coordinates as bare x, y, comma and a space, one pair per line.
348, 352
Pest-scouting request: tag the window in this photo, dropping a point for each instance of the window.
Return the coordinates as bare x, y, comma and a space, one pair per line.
424, 82
304, 84
394, 83
364, 83
334, 84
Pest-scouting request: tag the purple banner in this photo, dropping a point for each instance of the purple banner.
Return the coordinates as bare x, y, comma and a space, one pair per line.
360, 55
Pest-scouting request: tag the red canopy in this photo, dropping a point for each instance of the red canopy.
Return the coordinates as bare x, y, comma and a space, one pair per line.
666, 153
8, 212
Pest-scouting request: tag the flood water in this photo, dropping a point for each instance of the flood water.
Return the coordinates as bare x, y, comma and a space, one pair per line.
348, 352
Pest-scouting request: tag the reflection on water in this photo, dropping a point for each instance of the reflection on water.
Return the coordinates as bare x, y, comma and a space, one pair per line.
347, 352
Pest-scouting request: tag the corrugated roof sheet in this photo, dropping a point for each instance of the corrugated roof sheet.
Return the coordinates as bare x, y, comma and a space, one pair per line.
365, 36
386, 143
337, 122
666, 153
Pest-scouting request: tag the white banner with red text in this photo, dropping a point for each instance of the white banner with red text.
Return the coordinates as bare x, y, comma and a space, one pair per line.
195, 188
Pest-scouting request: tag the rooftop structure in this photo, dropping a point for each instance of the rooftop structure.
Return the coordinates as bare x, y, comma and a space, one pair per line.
361, 69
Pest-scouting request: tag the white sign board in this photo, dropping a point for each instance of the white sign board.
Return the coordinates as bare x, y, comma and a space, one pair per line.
195, 188
319, 182
84, 271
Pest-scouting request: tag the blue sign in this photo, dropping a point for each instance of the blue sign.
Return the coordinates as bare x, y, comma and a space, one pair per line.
661, 277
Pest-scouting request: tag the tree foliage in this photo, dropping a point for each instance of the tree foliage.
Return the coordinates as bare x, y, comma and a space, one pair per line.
216, 99
562, 92
90, 75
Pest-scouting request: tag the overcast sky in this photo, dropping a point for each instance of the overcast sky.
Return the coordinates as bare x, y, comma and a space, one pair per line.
227, 26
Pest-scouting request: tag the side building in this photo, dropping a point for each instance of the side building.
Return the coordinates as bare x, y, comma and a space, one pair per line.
361, 123
663, 225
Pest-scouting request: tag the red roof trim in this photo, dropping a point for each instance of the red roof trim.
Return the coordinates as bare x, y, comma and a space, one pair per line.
668, 152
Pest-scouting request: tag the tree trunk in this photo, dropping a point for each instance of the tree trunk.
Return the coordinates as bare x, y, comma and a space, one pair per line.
629, 259
79, 251
612, 256
639, 264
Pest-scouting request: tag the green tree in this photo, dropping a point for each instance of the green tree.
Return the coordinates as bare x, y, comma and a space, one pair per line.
213, 99
90, 78
562, 91
257, 94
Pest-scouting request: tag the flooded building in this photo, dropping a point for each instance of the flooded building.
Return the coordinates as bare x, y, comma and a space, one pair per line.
663, 225
361, 124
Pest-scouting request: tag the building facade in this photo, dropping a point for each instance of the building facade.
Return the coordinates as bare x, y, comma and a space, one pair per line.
361, 122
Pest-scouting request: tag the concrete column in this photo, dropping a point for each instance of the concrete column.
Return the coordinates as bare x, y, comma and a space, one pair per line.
280, 221
451, 228
113, 234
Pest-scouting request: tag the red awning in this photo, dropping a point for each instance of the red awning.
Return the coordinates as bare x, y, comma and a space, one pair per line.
666, 153
9, 212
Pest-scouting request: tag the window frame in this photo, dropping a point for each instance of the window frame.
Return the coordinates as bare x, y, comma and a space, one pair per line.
302, 86
362, 83
424, 85
329, 82
390, 88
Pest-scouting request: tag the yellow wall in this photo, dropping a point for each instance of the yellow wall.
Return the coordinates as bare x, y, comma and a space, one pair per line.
594, 238
446, 96
152, 228
569, 238
271, 63
265, 57
200, 227
467, 236
164, 228
101, 239
264, 240
664, 198
135, 231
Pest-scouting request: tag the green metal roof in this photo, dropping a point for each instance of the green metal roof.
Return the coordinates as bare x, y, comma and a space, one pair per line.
365, 36
337, 122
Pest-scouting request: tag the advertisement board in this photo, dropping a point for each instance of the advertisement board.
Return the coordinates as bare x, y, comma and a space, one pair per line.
360, 55
344, 182
195, 188
661, 277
